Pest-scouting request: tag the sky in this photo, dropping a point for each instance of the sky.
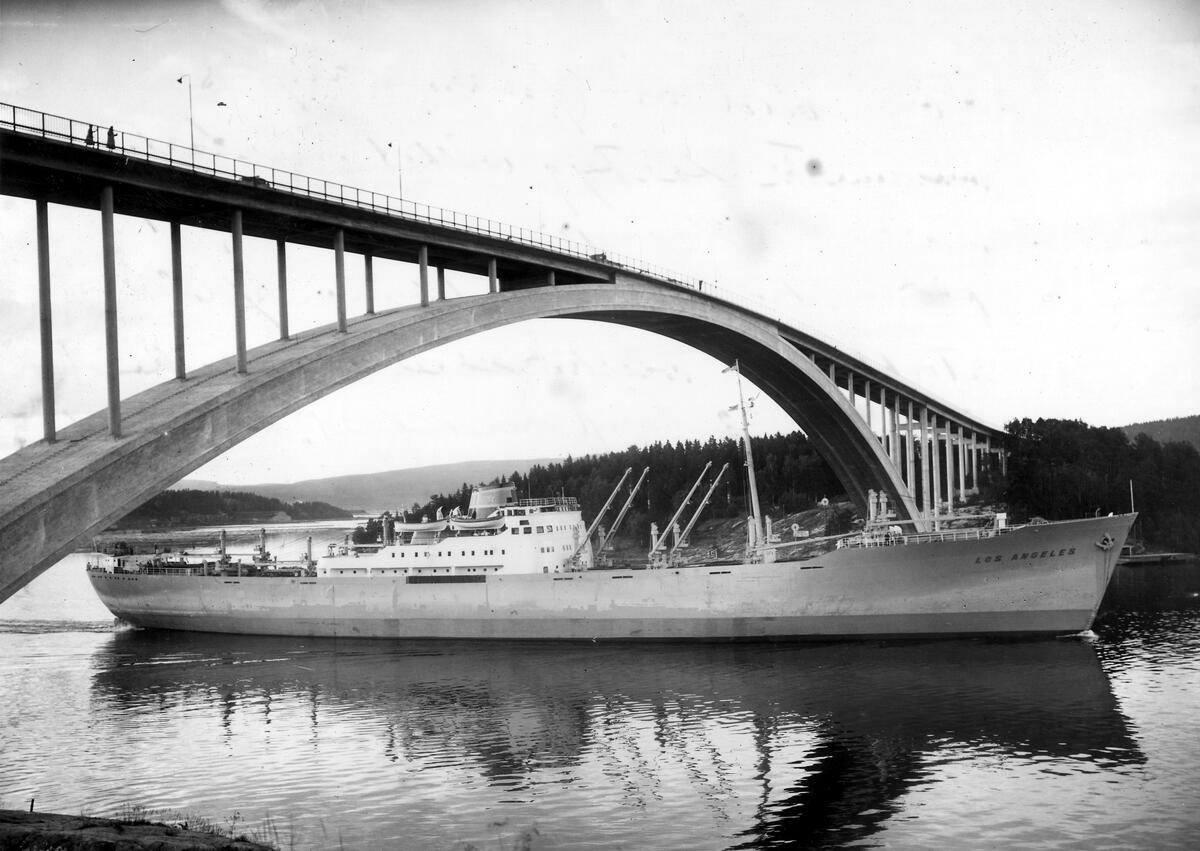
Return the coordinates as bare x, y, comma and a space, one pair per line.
997, 203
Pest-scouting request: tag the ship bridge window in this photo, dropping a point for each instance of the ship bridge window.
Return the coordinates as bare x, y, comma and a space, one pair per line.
516, 531
528, 530
541, 529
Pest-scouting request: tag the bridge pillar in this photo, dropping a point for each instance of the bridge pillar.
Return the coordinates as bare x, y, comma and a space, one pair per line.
962, 464
895, 446
369, 283
550, 278
45, 326
423, 262
850, 387
975, 462
339, 274
884, 424
909, 463
867, 395
926, 477
936, 457
441, 283
493, 281
177, 298
110, 310
281, 266
952, 498
239, 292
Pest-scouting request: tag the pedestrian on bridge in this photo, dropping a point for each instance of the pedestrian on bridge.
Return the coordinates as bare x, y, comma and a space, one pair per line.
91, 136
112, 139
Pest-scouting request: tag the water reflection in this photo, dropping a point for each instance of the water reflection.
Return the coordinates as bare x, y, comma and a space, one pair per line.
781, 744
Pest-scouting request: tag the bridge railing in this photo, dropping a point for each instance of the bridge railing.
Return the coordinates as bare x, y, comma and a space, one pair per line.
75, 132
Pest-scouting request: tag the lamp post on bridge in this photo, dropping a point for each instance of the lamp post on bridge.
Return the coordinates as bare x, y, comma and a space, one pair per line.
191, 122
399, 171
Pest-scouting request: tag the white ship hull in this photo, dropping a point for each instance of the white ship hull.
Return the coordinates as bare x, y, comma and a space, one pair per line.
1036, 579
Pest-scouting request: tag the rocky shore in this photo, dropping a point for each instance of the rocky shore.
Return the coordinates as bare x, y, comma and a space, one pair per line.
56, 832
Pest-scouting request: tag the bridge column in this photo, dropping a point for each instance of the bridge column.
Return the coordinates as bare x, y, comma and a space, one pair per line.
884, 423
909, 443
867, 394
239, 293
281, 264
953, 496
850, 386
493, 281
441, 283
975, 462
926, 477
369, 282
339, 273
45, 326
962, 464
936, 457
833, 373
110, 311
177, 298
895, 446
423, 262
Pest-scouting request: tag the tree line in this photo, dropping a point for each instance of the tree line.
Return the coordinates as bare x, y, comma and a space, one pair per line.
1059, 469
790, 475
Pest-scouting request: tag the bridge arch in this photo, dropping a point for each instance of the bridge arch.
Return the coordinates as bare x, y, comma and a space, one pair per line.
61, 493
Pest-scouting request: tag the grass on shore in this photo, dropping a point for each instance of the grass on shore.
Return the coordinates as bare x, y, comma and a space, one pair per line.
234, 826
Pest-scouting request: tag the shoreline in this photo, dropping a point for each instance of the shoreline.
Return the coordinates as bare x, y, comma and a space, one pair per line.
38, 830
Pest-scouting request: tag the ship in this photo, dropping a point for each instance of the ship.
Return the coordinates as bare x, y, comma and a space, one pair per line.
527, 569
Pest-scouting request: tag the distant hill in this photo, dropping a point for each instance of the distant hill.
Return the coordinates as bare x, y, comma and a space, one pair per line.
188, 507
1177, 430
376, 492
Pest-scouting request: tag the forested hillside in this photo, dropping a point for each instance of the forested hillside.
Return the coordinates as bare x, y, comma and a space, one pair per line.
791, 476
199, 507
1059, 469
1179, 429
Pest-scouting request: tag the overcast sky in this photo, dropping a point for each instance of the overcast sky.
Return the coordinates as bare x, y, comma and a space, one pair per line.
999, 203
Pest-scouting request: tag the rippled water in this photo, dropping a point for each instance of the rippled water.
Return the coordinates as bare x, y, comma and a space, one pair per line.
1071, 743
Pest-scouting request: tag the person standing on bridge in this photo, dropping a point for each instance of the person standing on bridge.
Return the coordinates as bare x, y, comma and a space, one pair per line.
112, 139
91, 136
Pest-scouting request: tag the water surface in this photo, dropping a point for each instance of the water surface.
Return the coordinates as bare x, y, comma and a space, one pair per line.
1061, 743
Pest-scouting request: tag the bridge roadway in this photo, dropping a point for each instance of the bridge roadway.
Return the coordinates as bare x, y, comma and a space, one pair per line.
58, 492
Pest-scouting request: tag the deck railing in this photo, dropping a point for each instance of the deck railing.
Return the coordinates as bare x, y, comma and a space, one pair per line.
123, 143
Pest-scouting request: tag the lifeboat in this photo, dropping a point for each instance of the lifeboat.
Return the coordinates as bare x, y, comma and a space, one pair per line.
429, 526
470, 524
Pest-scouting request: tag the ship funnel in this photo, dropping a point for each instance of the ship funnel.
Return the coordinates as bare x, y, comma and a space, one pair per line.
484, 501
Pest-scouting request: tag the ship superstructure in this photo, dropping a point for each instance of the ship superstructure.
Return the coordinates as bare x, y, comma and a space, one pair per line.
497, 534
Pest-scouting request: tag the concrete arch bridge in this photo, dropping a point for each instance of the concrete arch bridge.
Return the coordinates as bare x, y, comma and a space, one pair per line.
878, 433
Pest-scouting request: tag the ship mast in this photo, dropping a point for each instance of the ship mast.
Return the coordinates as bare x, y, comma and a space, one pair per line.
756, 513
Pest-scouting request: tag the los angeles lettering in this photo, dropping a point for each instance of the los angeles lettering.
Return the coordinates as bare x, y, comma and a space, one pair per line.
1026, 556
